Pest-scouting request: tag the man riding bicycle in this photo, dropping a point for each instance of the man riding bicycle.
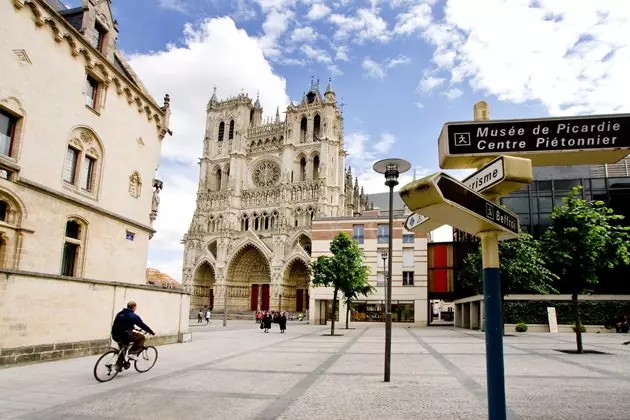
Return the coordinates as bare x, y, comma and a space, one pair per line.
123, 329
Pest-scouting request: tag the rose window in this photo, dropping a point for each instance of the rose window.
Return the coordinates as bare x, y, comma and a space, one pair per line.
266, 174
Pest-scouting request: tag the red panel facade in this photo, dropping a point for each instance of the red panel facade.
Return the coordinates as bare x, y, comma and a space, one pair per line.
265, 297
254, 296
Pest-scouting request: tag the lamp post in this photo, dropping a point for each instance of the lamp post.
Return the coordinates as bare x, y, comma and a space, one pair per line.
384, 257
391, 168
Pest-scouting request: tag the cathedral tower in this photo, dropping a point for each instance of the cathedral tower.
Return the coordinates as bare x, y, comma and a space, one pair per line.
260, 185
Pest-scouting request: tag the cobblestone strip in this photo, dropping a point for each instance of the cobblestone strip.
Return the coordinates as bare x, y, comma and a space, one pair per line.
56, 412
466, 380
279, 406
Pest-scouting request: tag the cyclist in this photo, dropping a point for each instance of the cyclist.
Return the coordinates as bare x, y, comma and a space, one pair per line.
122, 329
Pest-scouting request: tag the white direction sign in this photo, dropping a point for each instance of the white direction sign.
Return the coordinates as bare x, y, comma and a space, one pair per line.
414, 220
486, 177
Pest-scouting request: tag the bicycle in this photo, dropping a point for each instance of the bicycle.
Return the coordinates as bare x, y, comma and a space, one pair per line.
143, 361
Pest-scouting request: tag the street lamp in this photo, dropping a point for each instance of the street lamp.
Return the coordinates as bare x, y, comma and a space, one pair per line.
391, 168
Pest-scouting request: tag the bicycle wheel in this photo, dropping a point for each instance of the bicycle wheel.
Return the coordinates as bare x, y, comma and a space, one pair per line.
105, 367
146, 359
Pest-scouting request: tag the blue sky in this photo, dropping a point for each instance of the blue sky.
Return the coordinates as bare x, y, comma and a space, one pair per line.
402, 67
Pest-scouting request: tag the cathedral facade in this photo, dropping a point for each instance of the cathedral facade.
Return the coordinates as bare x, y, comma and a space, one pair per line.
260, 186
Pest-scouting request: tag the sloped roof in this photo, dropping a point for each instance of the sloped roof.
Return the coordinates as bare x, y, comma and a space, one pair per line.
56, 4
157, 278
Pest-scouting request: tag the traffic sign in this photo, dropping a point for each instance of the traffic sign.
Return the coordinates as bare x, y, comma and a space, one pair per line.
421, 224
448, 201
501, 176
546, 141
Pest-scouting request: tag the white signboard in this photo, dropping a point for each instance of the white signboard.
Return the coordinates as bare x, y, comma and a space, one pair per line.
414, 220
553, 320
486, 177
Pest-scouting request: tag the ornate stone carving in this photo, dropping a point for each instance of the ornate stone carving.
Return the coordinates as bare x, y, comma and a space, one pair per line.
155, 204
86, 137
266, 174
135, 185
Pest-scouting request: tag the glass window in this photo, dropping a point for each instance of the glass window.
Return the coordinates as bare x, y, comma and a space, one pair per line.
88, 173
383, 234
73, 229
98, 37
3, 211
91, 92
408, 238
566, 184
70, 165
517, 205
380, 279
357, 233
68, 264
407, 278
545, 204
402, 312
544, 185
7, 128
408, 257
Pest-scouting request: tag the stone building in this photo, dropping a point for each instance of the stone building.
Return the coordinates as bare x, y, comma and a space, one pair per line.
80, 140
261, 183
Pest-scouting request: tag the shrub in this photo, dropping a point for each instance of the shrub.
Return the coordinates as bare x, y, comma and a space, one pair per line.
591, 312
521, 327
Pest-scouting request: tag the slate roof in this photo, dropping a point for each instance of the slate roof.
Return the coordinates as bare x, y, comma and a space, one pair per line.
73, 16
56, 4
381, 200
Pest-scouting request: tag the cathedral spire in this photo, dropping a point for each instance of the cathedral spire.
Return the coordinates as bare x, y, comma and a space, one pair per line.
214, 95
257, 103
278, 114
329, 88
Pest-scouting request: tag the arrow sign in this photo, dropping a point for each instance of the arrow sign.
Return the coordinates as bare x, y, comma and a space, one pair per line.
579, 140
421, 224
449, 202
501, 176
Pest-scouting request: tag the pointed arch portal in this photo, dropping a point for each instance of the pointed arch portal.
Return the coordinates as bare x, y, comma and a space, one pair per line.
249, 281
203, 284
295, 286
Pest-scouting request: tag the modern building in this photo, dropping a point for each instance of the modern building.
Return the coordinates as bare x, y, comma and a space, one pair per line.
80, 140
261, 183
409, 270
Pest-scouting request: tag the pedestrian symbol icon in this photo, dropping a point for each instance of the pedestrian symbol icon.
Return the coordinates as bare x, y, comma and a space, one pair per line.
489, 211
462, 139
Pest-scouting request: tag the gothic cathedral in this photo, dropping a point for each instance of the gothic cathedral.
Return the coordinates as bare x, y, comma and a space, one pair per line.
260, 186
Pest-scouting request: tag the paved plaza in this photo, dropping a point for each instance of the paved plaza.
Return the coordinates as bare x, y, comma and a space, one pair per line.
242, 373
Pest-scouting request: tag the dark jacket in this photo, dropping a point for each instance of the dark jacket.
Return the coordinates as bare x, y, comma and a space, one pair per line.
282, 320
267, 319
124, 323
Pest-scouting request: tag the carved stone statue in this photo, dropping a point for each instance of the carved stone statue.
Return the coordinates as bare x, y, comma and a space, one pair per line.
157, 187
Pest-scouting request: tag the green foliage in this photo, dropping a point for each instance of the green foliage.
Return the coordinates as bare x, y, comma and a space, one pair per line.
344, 271
521, 327
584, 238
582, 328
535, 312
523, 268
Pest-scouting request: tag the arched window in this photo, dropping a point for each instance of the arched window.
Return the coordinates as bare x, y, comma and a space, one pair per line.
303, 130
316, 167
219, 223
274, 220
244, 222
264, 225
303, 169
211, 224
317, 122
218, 180
226, 175
82, 165
231, 132
255, 221
4, 207
308, 219
221, 131
72, 259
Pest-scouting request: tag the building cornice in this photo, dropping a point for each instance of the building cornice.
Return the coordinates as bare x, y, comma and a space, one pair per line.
69, 199
45, 15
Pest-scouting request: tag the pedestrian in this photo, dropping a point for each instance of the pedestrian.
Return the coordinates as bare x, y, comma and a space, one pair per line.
282, 321
207, 316
266, 321
199, 317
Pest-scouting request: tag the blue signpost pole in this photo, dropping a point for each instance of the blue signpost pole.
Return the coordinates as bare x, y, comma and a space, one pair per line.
493, 326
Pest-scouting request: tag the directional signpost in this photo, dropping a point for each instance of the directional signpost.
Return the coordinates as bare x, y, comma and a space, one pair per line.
501, 176
546, 141
421, 224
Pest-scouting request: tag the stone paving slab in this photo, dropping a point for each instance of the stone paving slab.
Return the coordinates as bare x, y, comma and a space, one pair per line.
241, 373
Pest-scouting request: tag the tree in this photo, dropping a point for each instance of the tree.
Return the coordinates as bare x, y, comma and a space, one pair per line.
585, 237
522, 267
342, 271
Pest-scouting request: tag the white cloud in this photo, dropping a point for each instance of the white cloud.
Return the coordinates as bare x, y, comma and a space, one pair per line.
572, 58
341, 53
418, 17
177, 5
321, 56
276, 23
304, 34
428, 83
365, 25
373, 70
453, 93
419, 105
318, 11
188, 72
385, 144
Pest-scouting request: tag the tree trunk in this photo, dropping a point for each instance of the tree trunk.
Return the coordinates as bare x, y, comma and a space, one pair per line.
334, 311
578, 323
347, 315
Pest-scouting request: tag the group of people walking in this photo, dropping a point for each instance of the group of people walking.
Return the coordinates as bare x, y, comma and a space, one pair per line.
203, 314
267, 318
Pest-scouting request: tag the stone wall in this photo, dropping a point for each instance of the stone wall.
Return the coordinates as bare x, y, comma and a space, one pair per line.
48, 317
